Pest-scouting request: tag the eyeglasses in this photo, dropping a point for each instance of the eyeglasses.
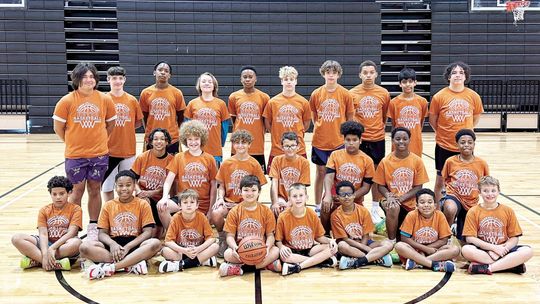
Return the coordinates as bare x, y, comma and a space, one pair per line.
346, 195
290, 147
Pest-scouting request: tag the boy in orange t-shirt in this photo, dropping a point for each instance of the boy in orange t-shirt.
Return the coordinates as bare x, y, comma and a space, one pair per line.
79, 116
461, 174
451, 109
212, 112
122, 142
150, 169
125, 231
249, 219
399, 176
163, 106
409, 109
331, 105
351, 226
371, 105
231, 172
492, 232
424, 236
300, 236
348, 164
286, 170
189, 241
58, 225
246, 107
287, 112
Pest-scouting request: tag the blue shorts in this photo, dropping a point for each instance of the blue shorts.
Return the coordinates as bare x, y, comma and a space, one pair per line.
320, 157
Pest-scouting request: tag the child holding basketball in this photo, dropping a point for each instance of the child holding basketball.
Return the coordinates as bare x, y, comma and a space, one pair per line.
58, 225
249, 219
212, 112
350, 164
298, 228
189, 241
195, 169
461, 174
231, 172
125, 231
399, 176
424, 236
492, 233
351, 226
286, 170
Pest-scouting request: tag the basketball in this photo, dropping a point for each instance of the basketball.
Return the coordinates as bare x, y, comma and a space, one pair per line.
252, 250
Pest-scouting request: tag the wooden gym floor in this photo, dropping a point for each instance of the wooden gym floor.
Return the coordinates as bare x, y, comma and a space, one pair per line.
30, 160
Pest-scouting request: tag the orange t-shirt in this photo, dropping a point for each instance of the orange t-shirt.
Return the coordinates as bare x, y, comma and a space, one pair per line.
353, 225
456, 111
352, 168
152, 170
425, 231
287, 114
400, 175
243, 223
289, 172
122, 142
125, 219
371, 106
230, 173
410, 113
461, 179
85, 118
161, 106
211, 114
248, 109
493, 226
298, 233
332, 109
195, 172
57, 221
189, 233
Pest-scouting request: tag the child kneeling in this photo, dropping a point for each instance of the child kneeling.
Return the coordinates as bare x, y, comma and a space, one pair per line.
492, 233
424, 236
297, 230
125, 229
189, 241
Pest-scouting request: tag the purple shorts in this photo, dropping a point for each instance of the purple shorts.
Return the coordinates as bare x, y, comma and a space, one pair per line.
80, 169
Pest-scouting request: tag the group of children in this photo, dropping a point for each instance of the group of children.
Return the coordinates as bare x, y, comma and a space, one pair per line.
225, 192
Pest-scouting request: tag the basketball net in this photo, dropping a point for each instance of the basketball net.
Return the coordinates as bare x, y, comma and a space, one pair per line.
518, 9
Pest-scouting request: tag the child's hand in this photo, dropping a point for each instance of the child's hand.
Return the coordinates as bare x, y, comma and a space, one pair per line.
51, 253
192, 252
327, 204
276, 208
500, 250
117, 252
333, 246
285, 252
431, 251
493, 255
220, 202
162, 204
45, 264
235, 252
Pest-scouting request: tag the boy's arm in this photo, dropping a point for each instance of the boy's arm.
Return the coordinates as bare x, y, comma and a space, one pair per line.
60, 129
433, 119
327, 186
410, 194
71, 233
500, 250
307, 124
267, 124
109, 125
274, 187
179, 117
439, 243
270, 241
206, 244
356, 244
418, 246
105, 238
363, 190
177, 248
231, 242
220, 194
145, 235
44, 247
331, 242
169, 180
213, 194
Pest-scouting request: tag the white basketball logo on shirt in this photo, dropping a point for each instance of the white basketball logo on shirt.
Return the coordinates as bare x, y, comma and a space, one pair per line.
491, 230
466, 181
289, 176
302, 237
122, 115
195, 174
349, 172
249, 112
159, 108
409, 117
249, 227
369, 107
287, 115
208, 117
458, 110
57, 226
426, 235
402, 180
329, 110
354, 231
190, 237
236, 177
154, 176
124, 224
87, 115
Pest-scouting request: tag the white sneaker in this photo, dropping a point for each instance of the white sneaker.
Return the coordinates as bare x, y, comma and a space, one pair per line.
170, 266
375, 217
108, 268
211, 262
95, 272
139, 268
92, 232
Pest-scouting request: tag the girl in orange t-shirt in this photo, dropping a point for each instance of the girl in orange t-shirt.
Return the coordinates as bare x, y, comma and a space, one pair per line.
212, 112
249, 219
297, 231
194, 169
399, 176
163, 106
351, 226
424, 236
492, 232
246, 107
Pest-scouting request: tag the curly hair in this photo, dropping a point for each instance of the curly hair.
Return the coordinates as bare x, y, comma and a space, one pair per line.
193, 128
59, 182
241, 136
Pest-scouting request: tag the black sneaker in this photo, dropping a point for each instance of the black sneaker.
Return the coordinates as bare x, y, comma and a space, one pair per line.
479, 269
519, 269
288, 269
331, 262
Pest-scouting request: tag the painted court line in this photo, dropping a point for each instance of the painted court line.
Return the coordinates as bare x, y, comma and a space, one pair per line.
20, 196
28, 181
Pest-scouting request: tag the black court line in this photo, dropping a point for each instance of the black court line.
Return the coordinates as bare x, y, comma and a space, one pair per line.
73, 292
258, 287
433, 290
28, 181
524, 195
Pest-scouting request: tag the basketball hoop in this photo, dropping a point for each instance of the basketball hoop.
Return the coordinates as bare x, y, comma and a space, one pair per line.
518, 9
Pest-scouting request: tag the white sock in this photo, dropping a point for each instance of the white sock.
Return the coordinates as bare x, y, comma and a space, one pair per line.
393, 241
375, 217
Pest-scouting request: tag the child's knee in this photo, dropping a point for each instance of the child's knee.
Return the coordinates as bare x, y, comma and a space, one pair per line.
400, 246
17, 239
154, 244
387, 245
343, 246
467, 251
85, 248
